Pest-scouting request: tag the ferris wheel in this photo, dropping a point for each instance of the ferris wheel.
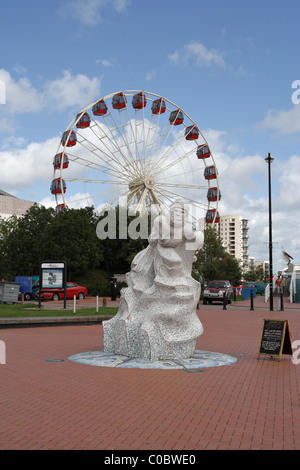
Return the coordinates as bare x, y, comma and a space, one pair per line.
138, 149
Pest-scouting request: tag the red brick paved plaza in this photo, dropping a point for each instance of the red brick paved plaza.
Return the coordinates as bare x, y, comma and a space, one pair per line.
252, 404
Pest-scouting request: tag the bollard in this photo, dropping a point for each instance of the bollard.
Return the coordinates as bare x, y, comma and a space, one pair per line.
97, 304
224, 301
281, 302
234, 295
104, 301
2, 352
251, 308
74, 304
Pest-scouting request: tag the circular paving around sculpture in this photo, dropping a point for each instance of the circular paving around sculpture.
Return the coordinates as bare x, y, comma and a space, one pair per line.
199, 361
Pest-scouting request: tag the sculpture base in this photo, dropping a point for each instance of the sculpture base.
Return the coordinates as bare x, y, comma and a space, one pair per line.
155, 325
200, 360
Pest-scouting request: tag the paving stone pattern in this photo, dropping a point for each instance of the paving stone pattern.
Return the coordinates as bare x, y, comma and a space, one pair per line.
250, 404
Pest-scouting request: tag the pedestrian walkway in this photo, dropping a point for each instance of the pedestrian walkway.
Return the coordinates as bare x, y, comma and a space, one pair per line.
50, 402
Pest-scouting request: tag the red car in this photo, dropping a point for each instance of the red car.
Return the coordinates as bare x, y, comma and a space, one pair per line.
58, 294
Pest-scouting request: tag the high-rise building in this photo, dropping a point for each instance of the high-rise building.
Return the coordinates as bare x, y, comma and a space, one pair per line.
233, 231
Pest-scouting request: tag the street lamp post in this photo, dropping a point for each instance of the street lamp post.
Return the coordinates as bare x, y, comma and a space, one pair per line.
269, 160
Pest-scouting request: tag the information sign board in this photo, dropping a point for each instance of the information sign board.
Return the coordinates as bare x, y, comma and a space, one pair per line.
53, 276
275, 338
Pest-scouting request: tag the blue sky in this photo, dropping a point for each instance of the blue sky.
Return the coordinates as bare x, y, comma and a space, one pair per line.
229, 64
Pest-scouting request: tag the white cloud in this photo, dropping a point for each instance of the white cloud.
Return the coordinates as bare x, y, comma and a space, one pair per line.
283, 122
105, 62
121, 5
67, 91
7, 125
197, 53
18, 68
20, 168
55, 95
243, 186
289, 189
174, 57
48, 201
90, 12
21, 96
80, 200
13, 142
150, 75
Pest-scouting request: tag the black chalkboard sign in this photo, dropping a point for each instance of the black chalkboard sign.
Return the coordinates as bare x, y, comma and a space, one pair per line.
275, 338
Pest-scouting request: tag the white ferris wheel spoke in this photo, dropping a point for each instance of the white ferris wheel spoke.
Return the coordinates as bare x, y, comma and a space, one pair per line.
110, 171
189, 200
181, 185
108, 158
178, 175
118, 147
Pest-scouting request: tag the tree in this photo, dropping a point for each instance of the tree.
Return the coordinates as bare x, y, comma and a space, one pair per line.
126, 236
255, 274
71, 237
6, 227
23, 245
213, 262
39, 236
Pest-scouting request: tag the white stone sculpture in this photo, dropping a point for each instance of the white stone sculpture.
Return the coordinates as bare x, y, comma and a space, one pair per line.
157, 316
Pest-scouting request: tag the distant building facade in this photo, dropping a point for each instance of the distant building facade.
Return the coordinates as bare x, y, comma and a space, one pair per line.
11, 205
256, 264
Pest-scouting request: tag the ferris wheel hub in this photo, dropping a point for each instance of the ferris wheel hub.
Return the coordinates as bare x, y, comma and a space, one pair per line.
142, 183
149, 182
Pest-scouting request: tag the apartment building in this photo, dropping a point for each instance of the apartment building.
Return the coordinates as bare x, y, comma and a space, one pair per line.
233, 231
253, 264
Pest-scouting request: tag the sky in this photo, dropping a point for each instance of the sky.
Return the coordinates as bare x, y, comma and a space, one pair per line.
232, 66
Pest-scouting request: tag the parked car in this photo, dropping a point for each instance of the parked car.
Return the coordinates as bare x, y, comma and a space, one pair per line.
215, 290
56, 294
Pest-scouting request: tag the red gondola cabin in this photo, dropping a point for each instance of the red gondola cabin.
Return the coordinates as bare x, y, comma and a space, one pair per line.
213, 194
72, 140
212, 215
99, 108
57, 161
56, 186
84, 120
139, 101
203, 151
191, 133
60, 208
210, 172
119, 101
158, 106
176, 117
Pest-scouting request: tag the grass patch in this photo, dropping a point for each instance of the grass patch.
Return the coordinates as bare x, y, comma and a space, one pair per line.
32, 310
239, 297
